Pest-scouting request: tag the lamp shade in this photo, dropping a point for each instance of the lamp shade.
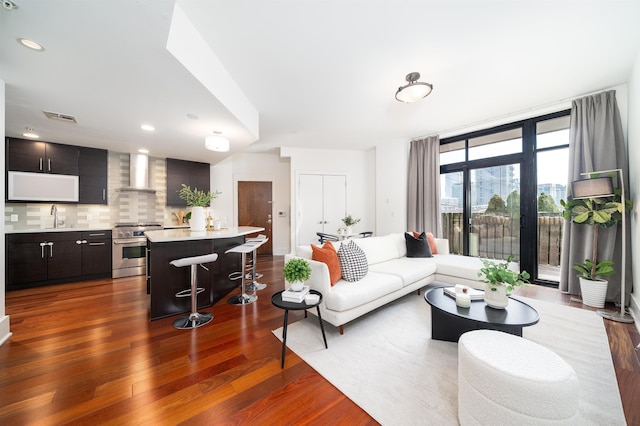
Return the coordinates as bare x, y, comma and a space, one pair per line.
216, 143
592, 188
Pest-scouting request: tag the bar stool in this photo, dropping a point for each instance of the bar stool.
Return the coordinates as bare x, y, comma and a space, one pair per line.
257, 242
243, 298
195, 319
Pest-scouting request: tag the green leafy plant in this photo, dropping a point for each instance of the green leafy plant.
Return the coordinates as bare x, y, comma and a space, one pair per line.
601, 212
496, 274
197, 197
296, 269
348, 220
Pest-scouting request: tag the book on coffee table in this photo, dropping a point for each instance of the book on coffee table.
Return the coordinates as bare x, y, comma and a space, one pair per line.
295, 296
475, 294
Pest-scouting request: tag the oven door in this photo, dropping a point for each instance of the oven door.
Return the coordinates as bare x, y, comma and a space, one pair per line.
129, 257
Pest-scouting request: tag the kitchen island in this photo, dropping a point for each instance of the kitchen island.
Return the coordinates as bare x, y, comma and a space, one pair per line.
164, 280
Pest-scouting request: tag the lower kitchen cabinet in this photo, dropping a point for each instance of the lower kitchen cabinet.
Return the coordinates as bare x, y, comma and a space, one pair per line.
42, 258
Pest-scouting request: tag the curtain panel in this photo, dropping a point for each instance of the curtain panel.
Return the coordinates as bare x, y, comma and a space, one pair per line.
423, 189
596, 142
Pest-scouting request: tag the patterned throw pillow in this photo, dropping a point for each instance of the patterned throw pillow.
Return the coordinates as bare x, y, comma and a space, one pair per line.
353, 262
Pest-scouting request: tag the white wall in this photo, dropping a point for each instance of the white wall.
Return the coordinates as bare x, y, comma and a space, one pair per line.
358, 166
392, 163
633, 142
5, 332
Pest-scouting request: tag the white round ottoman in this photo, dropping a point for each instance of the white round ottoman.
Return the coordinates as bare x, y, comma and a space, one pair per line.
507, 380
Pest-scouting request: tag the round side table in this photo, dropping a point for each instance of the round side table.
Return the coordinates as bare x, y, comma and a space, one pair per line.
277, 301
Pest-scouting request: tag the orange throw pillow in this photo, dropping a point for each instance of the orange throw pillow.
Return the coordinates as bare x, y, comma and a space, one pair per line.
327, 254
432, 243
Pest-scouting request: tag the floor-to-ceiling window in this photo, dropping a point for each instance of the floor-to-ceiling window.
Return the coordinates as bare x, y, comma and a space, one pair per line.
501, 191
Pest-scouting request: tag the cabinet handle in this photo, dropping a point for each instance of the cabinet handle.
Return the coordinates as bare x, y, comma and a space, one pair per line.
78, 242
42, 249
49, 165
96, 244
50, 249
98, 235
40, 166
104, 194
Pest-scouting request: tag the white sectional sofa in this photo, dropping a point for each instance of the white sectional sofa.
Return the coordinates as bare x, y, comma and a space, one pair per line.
391, 275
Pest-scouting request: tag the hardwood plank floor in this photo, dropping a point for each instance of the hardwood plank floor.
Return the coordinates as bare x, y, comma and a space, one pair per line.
86, 353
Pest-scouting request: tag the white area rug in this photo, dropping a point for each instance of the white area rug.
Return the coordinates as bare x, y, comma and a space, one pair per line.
387, 363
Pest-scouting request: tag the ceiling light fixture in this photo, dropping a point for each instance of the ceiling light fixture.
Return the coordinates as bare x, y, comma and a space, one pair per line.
216, 143
143, 151
30, 133
31, 44
415, 90
148, 127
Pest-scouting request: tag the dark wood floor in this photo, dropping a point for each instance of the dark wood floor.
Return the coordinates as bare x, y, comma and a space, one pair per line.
86, 353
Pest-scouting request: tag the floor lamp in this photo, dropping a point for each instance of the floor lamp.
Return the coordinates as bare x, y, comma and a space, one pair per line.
603, 187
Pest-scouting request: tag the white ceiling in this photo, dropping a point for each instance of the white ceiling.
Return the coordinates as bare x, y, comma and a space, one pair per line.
320, 73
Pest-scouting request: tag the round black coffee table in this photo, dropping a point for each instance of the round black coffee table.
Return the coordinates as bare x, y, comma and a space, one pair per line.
449, 321
277, 301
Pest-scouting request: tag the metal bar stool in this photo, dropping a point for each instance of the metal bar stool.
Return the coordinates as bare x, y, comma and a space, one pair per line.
195, 319
257, 242
243, 298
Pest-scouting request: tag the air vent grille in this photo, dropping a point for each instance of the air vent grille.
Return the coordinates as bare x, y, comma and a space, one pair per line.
62, 117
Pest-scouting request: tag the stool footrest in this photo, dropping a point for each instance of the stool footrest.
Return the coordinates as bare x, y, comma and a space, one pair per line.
187, 292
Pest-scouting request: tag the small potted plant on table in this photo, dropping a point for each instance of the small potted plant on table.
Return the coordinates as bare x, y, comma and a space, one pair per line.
296, 271
500, 281
349, 221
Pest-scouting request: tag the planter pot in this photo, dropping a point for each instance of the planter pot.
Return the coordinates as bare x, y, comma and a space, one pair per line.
198, 221
349, 230
297, 286
497, 298
593, 293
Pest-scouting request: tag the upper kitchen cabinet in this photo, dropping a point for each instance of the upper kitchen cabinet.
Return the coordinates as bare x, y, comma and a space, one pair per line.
41, 157
193, 174
93, 173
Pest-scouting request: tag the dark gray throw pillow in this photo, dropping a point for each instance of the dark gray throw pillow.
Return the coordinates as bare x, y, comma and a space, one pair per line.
417, 247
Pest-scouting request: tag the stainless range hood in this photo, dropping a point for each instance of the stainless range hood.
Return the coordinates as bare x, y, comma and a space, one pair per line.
138, 174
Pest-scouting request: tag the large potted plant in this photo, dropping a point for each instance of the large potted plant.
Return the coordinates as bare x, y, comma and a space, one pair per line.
599, 212
296, 271
198, 200
500, 281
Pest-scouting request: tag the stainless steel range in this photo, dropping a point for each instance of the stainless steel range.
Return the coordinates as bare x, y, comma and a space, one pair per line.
130, 248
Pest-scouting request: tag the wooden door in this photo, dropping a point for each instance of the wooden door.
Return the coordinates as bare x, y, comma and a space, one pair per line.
255, 209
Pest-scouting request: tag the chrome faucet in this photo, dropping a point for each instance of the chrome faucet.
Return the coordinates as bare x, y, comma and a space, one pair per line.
54, 212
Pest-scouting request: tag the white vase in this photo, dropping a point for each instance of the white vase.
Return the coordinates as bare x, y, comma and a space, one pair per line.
593, 293
349, 230
496, 296
297, 286
197, 222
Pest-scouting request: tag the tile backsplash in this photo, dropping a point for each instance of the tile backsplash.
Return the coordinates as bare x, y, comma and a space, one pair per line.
124, 206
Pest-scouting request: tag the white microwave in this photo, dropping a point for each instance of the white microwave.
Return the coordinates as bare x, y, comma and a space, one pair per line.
25, 186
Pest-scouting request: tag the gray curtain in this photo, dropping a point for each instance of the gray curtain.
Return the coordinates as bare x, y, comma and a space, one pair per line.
596, 142
423, 193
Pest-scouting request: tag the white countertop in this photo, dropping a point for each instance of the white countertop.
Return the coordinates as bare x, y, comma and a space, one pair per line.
168, 235
62, 229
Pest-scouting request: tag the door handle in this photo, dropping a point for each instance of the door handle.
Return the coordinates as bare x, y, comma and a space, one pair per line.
268, 220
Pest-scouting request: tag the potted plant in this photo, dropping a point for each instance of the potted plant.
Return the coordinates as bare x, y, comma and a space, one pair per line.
600, 212
296, 271
349, 221
500, 281
198, 200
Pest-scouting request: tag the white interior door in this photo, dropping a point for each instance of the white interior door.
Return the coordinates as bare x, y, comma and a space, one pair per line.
321, 205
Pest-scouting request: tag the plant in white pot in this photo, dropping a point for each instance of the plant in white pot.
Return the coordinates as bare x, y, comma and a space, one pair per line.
597, 212
198, 200
296, 271
500, 281
349, 221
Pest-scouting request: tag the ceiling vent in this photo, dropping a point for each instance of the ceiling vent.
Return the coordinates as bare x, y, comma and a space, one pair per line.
62, 117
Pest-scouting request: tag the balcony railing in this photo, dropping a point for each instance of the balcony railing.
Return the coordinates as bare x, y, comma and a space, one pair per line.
498, 237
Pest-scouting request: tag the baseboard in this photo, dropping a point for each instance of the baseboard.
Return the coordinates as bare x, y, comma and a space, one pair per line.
5, 332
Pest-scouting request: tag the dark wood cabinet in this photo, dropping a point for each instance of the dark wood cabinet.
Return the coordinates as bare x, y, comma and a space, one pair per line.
41, 157
41, 258
191, 173
96, 253
93, 175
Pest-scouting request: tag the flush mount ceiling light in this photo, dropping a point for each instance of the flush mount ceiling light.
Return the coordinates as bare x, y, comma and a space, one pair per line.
147, 127
415, 90
216, 143
31, 44
30, 133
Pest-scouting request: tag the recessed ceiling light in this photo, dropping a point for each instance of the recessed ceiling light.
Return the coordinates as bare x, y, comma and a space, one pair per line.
148, 127
143, 151
31, 44
192, 116
30, 133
